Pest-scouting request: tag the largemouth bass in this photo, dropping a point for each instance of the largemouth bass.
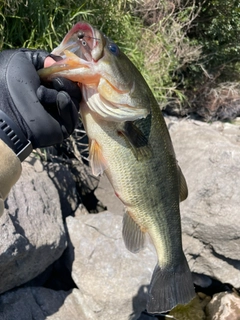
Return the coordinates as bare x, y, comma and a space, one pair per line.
130, 143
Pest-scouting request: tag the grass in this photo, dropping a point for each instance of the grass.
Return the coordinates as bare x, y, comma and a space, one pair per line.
150, 43
154, 34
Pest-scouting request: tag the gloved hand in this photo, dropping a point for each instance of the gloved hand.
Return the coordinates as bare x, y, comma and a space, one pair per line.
45, 116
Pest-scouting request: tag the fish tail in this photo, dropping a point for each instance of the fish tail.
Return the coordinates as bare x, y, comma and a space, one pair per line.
170, 287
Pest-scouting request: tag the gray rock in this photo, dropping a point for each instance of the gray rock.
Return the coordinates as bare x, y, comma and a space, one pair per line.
32, 231
112, 278
224, 306
41, 303
210, 160
112, 281
201, 280
106, 195
75, 184
63, 180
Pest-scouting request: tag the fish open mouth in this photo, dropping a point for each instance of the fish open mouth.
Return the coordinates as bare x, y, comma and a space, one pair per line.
80, 40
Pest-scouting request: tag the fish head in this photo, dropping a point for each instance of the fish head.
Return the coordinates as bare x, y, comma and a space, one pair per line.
97, 51
81, 41
109, 81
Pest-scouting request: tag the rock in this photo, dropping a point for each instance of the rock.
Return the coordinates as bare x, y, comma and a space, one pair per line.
63, 180
112, 278
41, 303
224, 306
112, 282
210, 161
75, 184
86, 186
193, 310
106, 195
31, 228
201, 280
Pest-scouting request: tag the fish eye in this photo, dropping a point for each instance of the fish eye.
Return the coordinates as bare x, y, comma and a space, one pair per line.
113, 48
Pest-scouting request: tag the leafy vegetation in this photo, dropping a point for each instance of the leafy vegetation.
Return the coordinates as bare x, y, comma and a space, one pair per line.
211, 85
184, 48
217, 30
150, 44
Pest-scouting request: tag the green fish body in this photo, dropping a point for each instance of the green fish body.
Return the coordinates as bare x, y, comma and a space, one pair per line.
130, 143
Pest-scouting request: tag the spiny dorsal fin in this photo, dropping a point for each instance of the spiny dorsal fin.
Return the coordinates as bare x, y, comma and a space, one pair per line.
97, 161
133, 237
136, 139
183, 189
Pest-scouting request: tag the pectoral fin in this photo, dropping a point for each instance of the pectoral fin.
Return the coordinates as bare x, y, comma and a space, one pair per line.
97, 161
183, 189
133, 237
136, 139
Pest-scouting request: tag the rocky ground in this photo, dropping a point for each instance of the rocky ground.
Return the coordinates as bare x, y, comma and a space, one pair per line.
60, 260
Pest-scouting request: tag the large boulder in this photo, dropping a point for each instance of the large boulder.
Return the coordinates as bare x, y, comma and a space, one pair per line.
41, 303
112, 278
224, 306
209, 156
31, 228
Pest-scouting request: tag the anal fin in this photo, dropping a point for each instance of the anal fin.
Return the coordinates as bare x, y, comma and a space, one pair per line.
133, 236
97, 161
136, 139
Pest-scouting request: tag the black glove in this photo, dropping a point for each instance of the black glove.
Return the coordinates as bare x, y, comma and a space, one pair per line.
45, 116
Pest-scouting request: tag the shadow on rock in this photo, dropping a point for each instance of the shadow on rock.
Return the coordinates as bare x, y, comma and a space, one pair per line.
138, 302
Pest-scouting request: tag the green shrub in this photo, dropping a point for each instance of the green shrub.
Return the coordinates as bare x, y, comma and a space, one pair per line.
149, 32
180, 46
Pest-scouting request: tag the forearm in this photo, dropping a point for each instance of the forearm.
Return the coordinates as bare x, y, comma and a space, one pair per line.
10, 170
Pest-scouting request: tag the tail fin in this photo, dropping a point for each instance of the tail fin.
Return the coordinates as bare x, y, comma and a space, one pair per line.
170, 287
